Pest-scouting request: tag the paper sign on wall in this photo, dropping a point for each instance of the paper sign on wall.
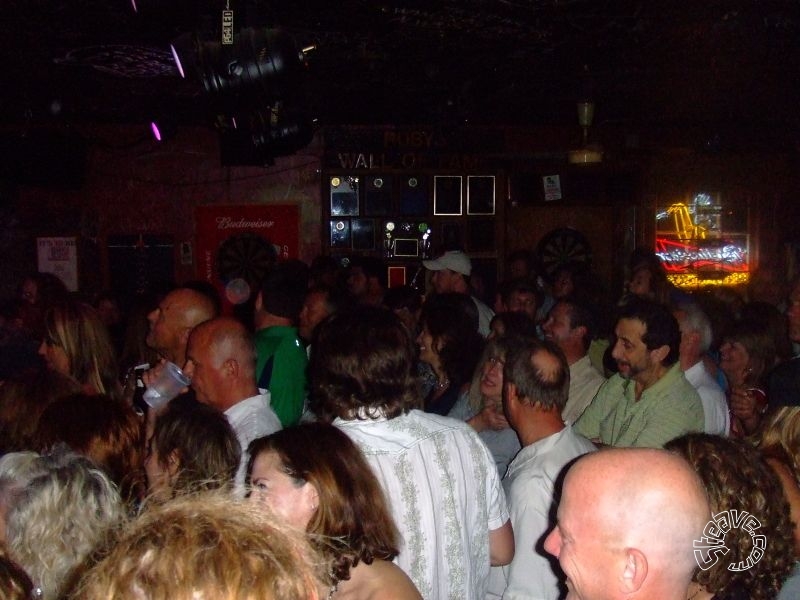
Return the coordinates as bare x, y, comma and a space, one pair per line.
59, 256
552, 187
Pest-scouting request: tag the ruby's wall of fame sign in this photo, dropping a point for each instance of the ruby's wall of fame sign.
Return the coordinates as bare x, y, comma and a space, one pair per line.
236, 245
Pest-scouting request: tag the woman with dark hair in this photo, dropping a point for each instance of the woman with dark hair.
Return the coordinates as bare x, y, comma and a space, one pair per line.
193, 448
315, 478
105, 430
747, 355
450, 343
737, 478
23, 399
76, 343
39, 291
14, 581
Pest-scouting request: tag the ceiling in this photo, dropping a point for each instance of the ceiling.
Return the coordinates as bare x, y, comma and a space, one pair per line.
656, 63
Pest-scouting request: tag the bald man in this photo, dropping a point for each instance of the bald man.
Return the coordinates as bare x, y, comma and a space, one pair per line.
626, 525
173, 320
221, 361
535, 393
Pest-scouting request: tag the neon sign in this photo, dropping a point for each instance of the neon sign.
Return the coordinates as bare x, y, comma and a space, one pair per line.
693, 258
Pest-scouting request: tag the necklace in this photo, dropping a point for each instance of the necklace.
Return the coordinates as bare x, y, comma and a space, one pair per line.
443, 384
333, 590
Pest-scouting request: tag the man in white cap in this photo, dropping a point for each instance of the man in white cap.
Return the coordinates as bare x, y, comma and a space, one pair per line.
451, 273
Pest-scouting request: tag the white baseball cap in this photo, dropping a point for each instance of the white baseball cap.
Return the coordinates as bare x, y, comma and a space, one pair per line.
454, 260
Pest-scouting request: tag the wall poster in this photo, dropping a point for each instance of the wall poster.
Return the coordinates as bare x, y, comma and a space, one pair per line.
59, 256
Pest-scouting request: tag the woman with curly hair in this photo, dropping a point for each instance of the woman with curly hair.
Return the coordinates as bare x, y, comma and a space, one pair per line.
450, 343
779, 443
736, 478
315, 478
56, 509
76, 343
203, 545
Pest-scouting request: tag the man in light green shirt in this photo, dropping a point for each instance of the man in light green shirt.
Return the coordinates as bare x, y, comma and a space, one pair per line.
649, 401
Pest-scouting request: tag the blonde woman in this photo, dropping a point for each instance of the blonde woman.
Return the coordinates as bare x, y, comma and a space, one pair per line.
482, 406
204, 545
779, 443
77, 344
56, 509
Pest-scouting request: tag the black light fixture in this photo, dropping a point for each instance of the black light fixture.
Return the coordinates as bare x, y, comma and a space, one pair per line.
253, 86
259, 137
262, 62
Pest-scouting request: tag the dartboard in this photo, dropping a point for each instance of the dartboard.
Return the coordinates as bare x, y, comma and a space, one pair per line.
562, 246
246, 256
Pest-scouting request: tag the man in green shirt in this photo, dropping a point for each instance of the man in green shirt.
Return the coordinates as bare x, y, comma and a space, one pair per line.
281, 357
649, 401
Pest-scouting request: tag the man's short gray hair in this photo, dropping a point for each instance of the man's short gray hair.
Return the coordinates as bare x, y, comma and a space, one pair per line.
697, 320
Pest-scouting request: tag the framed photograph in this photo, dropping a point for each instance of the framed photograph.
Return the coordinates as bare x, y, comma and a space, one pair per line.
414, 196
363, 232
480, 235
480, 195
344, 196
340, 233
452, 235
406, 247
447, 195
378, 196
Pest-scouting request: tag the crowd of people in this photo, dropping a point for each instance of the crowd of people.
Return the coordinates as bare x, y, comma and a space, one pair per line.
341, 440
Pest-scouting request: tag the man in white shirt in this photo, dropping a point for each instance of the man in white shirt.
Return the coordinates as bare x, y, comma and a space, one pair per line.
451, 273
536, 387
570, 325
440, 479
696, 336
221, 361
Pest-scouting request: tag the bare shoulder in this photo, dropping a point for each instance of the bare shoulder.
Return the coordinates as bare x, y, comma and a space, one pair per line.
382, 580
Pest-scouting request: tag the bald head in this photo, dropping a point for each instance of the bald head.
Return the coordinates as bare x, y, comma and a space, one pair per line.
227, 338
221, 361
656, 486
177, 314
643, 508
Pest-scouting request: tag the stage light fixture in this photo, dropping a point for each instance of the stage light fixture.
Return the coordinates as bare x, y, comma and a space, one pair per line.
288, 132
267, 61
259, 137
